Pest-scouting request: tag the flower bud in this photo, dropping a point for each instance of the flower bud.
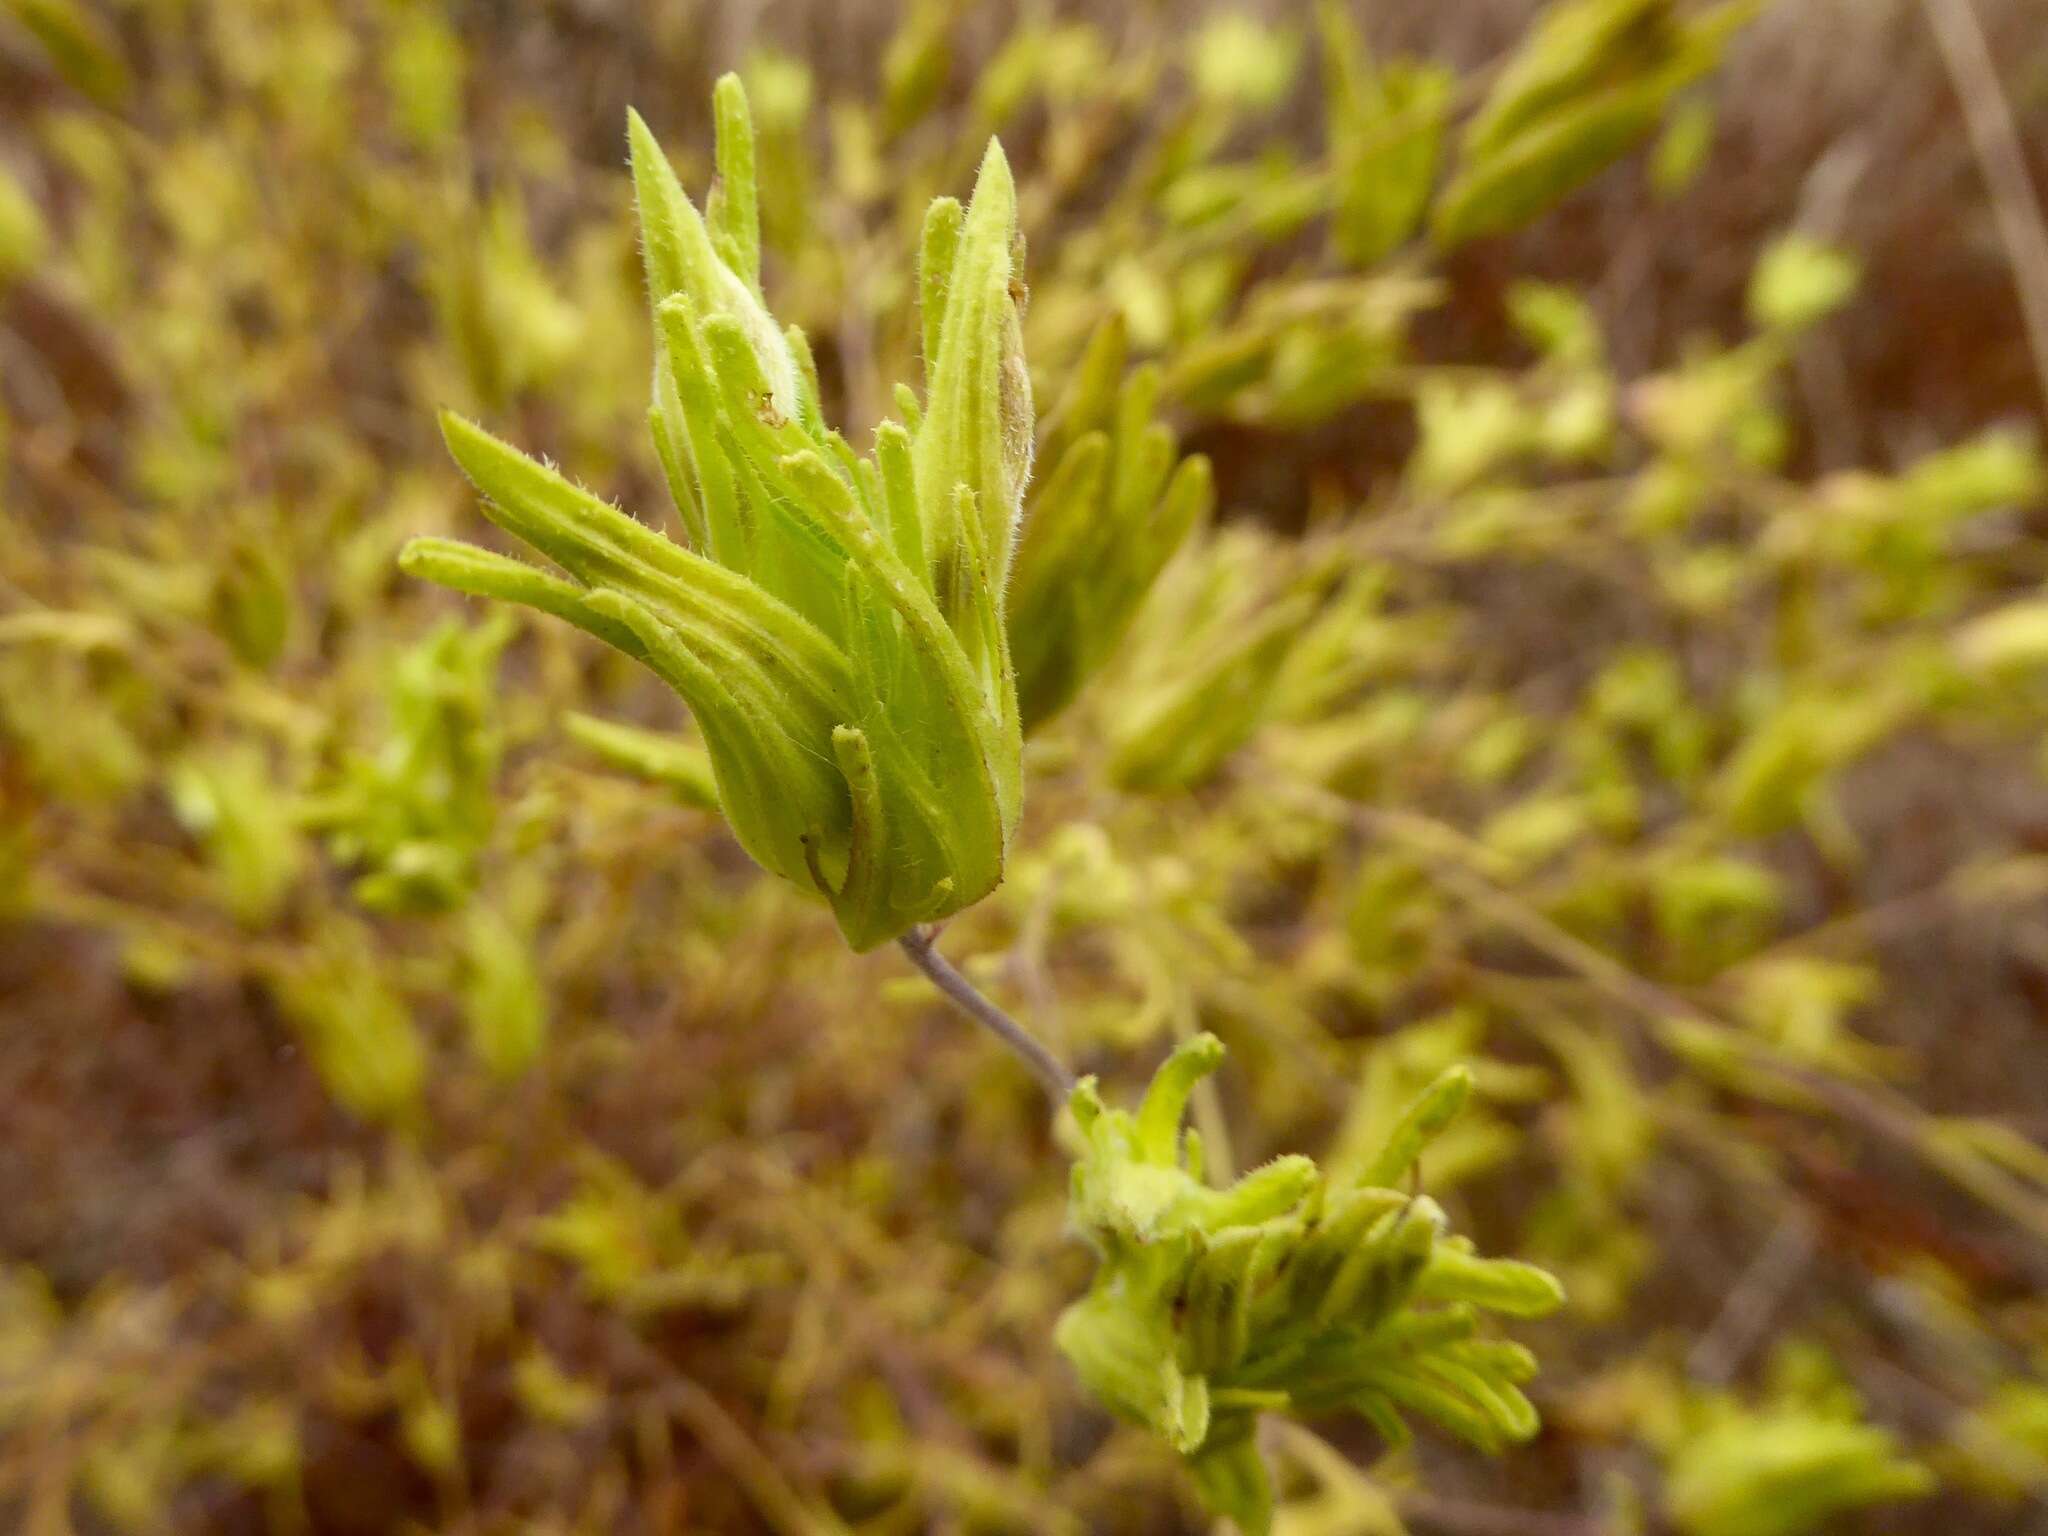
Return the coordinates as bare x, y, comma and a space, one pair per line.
836, 623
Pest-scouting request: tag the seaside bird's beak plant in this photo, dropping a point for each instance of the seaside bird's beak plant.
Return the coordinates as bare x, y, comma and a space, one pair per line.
1284, 1291
836, 623
838, 626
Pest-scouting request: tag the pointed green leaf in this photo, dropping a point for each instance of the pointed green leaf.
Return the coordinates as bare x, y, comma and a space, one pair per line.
735, 209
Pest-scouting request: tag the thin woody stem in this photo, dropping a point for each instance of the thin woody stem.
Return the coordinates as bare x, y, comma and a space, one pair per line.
1052, 1075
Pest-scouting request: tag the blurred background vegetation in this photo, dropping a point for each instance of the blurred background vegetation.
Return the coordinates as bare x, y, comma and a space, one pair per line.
1617, 659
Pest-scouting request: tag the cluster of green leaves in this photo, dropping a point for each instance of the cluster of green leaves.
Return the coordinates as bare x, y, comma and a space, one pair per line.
836, 624
1108, 508
1282, 1291
416, 815
1594, 79
1779, 1471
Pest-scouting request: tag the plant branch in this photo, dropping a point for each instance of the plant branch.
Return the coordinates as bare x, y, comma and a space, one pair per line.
1744, 1320
1052, 1076
1996, 140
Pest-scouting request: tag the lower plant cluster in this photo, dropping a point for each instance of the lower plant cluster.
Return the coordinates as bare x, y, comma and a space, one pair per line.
1280, 1292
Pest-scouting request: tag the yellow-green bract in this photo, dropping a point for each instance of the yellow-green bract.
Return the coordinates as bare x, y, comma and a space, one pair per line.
1284, 1291
836, 622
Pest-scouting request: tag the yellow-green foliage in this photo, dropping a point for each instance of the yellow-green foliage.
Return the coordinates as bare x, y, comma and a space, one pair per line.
1407, 662
1283, 1291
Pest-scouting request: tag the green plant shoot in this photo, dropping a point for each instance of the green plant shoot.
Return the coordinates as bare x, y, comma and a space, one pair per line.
835, 622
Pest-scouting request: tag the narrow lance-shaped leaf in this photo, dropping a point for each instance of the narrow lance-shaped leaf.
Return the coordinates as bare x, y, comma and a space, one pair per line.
978, 421
1436, 1107
735, 199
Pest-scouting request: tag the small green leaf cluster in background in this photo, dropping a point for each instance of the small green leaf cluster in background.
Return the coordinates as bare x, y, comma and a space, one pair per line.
1283, 1291
1592, 81
1108, 507
1201, 677
1386, 135
1785, 1472
1793, 1463
414, 815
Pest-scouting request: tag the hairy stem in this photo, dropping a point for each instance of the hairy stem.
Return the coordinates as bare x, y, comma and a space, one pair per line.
1052, 1075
